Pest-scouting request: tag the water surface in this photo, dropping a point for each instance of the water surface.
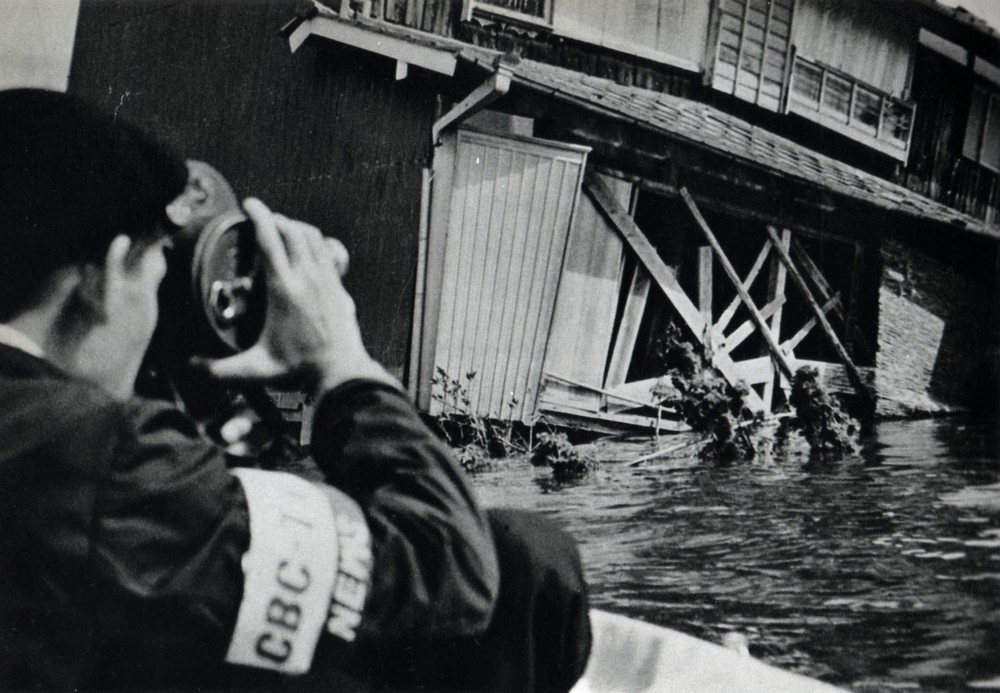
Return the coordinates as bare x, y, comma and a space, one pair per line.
878, 571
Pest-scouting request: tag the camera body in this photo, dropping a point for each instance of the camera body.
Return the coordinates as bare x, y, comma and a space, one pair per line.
212, 299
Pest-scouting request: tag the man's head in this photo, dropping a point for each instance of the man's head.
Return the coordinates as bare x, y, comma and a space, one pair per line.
83, 199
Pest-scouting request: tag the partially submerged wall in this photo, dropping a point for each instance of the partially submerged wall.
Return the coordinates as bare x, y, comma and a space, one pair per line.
933, 335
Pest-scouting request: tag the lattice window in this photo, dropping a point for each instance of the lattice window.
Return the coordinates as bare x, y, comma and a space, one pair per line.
752, 50
851, 107
530, 11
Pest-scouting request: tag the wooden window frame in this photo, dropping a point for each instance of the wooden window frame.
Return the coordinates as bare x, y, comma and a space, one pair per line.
486, 8
757, 88
845, 123
992, 105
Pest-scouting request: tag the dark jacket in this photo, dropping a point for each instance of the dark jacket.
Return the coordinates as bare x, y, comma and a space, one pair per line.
122, 532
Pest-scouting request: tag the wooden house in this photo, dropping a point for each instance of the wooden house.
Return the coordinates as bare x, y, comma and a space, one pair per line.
534, 190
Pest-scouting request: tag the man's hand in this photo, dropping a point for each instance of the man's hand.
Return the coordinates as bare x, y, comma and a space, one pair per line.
311, 333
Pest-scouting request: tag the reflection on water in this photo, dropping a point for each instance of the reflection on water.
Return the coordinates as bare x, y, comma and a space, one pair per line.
874, 572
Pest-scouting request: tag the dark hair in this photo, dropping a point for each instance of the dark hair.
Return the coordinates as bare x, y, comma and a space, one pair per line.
71, 179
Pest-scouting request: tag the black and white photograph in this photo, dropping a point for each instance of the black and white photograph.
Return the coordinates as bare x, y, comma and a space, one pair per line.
461, 346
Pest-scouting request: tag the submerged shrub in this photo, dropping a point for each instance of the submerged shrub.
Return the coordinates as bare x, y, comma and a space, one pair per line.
826, 427
704, 399
710, 405
565, 460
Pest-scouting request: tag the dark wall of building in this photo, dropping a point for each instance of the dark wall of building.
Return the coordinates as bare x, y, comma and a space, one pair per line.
936, 168
325, 135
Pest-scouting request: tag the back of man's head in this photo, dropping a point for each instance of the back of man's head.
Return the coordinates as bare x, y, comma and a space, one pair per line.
71, 179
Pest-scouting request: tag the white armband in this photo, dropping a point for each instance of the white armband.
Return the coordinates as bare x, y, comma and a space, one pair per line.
308, 565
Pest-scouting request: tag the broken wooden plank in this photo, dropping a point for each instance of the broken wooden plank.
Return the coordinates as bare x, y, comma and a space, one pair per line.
779, 357
631, 420
628, 329
663, 275
617, 395
798, 280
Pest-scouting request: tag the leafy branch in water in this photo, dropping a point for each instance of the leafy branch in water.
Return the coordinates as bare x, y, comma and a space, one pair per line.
829, 430
706, 401
566, 460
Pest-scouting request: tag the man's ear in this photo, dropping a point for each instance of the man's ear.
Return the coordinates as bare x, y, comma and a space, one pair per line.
99, 287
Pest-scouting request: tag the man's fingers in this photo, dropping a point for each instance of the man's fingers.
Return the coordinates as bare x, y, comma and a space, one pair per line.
268, 237
341, 258
296, 236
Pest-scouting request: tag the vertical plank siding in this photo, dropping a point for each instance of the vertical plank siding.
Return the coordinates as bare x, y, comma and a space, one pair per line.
510, 211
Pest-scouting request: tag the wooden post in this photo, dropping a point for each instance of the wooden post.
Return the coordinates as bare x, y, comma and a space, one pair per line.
755, 315
775, 290
793, 272
705, 291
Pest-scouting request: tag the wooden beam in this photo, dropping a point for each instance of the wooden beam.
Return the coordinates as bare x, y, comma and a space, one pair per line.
756, 371
740, 334
663, 275
621, 397
730, 311
797, 279
755, 315
628, 329
790, 344
705, 285
776, 289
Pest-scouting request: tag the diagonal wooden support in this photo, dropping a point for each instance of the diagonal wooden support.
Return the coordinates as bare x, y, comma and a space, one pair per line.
826, 291
730, 311
793, 272
758, 319
661, 274
740, 334
789, 344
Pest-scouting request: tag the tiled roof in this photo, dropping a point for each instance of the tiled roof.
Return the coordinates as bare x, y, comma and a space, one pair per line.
699, 124
708, 127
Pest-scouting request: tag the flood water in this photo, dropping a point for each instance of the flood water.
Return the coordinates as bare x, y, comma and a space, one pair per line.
874, 572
